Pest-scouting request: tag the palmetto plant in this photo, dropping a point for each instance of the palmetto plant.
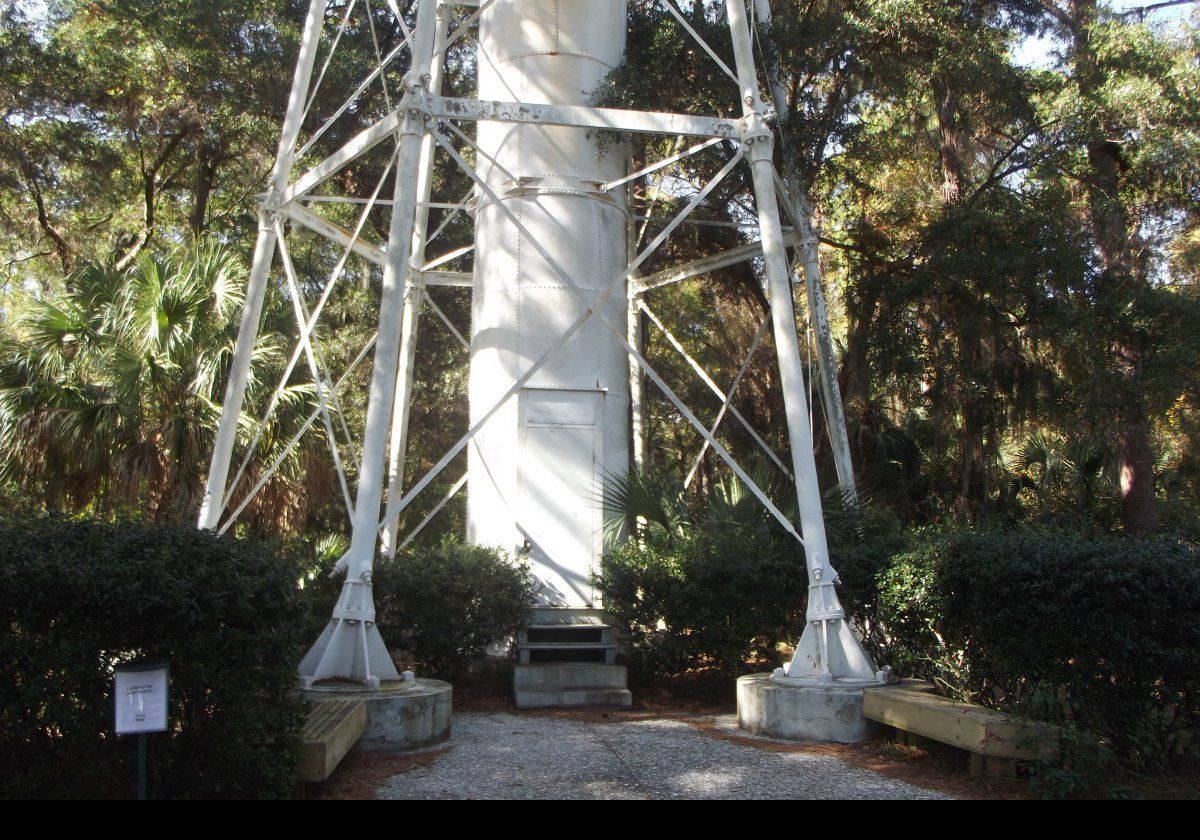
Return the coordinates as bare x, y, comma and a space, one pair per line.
1070, 482
659, 504
110, 396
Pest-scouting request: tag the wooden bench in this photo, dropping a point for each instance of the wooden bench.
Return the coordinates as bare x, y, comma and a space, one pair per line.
332, 729
995, 740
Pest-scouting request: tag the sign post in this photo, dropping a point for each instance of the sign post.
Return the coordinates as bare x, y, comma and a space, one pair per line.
140, 696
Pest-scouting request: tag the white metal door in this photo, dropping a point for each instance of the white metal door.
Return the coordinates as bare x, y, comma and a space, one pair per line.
560, 491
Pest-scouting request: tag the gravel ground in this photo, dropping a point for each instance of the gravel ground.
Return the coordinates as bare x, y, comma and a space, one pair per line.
502, 756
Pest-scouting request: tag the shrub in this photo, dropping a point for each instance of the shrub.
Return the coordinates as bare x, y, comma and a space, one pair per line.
78, 598
441, 605
718, 597
1098, 632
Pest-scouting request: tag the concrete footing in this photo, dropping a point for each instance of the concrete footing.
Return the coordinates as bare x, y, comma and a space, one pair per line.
819, 712
403, 715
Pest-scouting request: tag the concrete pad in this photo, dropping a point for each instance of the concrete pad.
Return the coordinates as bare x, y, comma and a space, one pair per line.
403, 715
826, 712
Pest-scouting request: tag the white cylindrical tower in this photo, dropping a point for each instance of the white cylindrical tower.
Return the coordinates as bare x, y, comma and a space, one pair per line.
537, 469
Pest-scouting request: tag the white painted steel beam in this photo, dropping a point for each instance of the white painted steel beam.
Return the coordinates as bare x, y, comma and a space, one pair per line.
670, 7
580, 116
413, 301
429, 517
737, 381
706, 265
453, 330
801, 214
455, 279
714, 387
351, 648
355, 148
611, 119
337, 39
256, 287
301, 215
661, 164
818, 656
445, 258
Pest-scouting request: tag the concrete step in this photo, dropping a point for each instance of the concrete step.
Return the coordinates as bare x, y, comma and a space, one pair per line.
560, 625
604, 698
567, 654
570, 676
568, 615
595, 634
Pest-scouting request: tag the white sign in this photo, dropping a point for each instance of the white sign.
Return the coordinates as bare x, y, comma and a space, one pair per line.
141, 696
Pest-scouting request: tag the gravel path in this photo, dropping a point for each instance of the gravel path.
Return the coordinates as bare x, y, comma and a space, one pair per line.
502, 756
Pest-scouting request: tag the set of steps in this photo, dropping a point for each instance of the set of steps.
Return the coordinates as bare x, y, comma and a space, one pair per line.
568, 660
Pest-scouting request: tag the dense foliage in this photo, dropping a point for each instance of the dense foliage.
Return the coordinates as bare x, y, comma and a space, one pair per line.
78, 598
1003, 617
723, 599
1008, 242
439, 607
1087, 632
111, 401
1090, 633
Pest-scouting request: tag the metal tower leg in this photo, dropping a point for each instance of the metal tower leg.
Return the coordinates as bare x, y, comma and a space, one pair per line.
264, 254
824, 652
835, 414
412, 307
351, 648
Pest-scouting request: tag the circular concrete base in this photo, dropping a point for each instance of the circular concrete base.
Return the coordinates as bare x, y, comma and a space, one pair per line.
403, 715
825, 712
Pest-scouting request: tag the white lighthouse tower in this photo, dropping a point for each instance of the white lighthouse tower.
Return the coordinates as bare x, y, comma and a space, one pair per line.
537, 467
553, 285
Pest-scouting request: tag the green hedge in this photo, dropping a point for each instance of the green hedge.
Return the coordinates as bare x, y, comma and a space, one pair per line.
710, 598
1098, 633
77, 598
439, 606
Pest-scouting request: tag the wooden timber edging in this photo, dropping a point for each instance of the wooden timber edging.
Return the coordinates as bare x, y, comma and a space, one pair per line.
332, 729
912, 707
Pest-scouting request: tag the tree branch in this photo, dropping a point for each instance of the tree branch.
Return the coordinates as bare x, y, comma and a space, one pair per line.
1058, 14
994, 174
1142, 11
60, 242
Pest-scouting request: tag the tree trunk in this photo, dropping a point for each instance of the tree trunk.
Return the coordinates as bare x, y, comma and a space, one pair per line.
1118, 288
207, 165
950, 148
856, 371
972, 490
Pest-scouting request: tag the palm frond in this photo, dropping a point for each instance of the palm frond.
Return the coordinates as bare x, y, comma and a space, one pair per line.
640, 497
